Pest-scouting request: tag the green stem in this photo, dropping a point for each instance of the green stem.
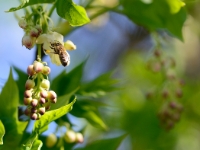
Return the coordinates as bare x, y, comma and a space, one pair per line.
51, 10
39, 52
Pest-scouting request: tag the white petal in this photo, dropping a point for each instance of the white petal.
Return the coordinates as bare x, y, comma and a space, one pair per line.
55, 59
42, 38
57, 37
69, 45
46, 46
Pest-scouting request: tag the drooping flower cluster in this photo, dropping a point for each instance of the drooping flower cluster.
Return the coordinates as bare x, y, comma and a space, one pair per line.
170, 91
37, 96
31, 32
69, 137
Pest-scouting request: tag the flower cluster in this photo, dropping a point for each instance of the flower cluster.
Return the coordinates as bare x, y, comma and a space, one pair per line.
31, 33
37, 96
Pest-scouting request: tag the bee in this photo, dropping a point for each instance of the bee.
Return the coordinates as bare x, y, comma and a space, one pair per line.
60, 50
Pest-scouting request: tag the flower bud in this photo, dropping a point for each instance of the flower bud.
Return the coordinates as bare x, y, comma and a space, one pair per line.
157, 53
43, 94
69, 45
28, 42
70, 136
52, 96
22, 23
45, 84
27, 101
29, 84
34, 32
42, 100
156, 67
30, 70
173, 105
41, 110
46, 70
27, 111
79, 137
38, 66
51, 140
33, 109
39, 28
27, 93
34, 116
34, 102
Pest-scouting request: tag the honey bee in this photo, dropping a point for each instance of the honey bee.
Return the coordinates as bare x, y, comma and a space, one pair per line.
60, 50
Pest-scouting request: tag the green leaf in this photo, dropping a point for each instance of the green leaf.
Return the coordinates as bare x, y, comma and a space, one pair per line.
98, 87
30, 141
42, 124
26, 3
9, 101
73, 13
84, 109
159, 14
22, 77
2, 132
109, 144
68, 82
37, 145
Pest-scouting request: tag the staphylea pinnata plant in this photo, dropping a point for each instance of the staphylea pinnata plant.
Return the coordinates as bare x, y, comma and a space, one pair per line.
45, 101
38, 97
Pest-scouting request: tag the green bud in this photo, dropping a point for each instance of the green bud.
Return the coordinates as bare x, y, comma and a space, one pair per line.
29, 84
46, 70
45, 84
51, 140
70, 136
79, 137
27, 101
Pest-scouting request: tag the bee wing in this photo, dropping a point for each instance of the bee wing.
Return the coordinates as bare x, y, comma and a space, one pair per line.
67, 58
55, 59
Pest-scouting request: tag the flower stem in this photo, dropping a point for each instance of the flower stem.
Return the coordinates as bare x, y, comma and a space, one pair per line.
39, 57
51, 10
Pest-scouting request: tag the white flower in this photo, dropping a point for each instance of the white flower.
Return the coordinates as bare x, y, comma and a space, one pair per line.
46, 39
51, 37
